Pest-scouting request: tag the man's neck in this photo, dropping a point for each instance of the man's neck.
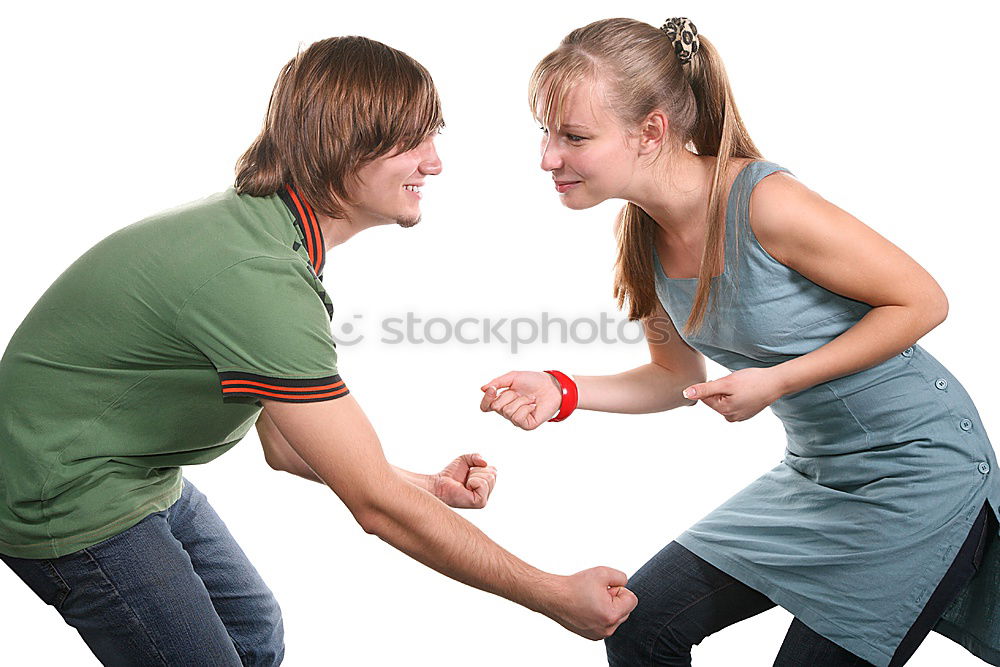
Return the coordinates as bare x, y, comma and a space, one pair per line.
338, 230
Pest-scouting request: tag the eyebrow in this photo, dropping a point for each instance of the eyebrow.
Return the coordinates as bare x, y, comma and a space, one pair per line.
576, 126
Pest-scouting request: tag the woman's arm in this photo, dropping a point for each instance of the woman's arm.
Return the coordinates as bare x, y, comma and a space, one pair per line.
530, 398
652, 387
837, 251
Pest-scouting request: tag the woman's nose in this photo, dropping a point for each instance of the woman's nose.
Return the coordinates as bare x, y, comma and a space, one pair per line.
551, 160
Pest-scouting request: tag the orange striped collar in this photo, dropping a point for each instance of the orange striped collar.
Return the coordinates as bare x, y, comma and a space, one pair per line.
307, 226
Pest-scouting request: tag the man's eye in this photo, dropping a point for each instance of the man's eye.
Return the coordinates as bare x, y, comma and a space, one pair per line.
542, 128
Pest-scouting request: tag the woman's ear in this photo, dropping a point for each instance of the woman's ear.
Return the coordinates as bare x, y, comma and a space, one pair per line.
653, 132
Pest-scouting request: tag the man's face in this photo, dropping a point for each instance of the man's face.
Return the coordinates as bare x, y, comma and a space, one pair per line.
388, 188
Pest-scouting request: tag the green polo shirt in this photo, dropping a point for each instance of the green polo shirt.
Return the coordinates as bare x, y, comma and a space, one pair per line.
150, 352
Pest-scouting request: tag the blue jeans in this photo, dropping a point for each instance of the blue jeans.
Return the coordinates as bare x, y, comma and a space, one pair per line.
683, 599
175, 589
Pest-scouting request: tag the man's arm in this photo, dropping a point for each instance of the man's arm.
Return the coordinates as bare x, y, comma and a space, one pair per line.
280, 456
335, 440
278, 453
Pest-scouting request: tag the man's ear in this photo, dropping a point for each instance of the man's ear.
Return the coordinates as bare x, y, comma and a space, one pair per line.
653, 132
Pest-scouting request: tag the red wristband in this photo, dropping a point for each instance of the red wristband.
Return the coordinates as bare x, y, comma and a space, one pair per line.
570, 395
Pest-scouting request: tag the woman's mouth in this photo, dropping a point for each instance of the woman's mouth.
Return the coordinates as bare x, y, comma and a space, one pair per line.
563, 187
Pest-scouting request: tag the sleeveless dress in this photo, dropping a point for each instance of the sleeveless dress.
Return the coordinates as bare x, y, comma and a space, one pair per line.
884, 470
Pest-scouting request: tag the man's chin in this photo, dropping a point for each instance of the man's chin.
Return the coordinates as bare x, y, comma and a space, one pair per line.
407, 222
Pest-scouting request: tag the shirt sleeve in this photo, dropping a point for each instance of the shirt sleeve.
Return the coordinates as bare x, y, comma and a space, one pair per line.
264, 326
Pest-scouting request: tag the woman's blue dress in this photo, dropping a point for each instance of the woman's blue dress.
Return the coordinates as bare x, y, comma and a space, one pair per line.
884, 470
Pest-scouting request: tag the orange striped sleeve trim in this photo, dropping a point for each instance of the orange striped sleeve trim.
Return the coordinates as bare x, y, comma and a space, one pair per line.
236, 385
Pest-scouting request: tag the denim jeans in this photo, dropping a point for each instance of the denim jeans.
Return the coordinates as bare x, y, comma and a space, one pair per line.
683, 599
175, 589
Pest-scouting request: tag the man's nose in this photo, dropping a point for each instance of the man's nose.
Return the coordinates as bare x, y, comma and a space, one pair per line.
430, 163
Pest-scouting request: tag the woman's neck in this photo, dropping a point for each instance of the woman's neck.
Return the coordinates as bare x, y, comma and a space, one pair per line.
674, 192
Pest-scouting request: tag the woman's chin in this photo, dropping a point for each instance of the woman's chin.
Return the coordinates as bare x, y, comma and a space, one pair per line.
579, 203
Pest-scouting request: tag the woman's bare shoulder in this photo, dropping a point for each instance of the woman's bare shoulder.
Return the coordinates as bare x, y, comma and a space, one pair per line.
777, 201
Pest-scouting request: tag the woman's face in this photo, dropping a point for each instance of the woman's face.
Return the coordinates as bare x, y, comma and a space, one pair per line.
590, 156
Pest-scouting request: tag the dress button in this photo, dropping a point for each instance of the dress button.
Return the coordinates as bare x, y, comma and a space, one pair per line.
965, 424
984, 467
908, 352
941, 383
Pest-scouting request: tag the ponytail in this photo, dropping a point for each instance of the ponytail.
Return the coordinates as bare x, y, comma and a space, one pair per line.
718, 130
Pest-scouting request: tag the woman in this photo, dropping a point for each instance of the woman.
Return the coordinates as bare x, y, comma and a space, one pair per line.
880, 523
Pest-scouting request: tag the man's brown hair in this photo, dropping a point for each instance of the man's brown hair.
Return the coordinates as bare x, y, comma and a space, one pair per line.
336, 106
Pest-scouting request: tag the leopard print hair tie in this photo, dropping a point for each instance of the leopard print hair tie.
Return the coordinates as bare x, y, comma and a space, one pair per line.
684, 37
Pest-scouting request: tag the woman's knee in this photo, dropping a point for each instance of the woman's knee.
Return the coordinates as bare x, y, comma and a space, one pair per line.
649, 639
650, 630
626, 647
682, 599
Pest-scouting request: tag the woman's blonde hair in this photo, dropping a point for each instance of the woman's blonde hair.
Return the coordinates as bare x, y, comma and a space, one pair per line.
643, 73
336, 106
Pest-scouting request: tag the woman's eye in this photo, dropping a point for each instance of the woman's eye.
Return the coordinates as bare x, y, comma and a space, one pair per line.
573, 137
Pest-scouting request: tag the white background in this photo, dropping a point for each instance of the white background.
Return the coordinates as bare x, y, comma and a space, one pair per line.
112, 112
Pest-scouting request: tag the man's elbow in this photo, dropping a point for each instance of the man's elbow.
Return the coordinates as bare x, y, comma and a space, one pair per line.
275, 461
383, 508
372, 508
371, 520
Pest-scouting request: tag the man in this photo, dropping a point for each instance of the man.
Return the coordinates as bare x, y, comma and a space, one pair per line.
164, 343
